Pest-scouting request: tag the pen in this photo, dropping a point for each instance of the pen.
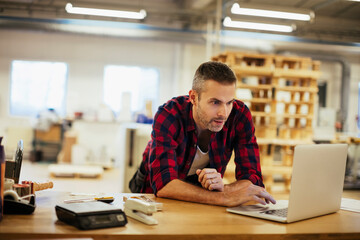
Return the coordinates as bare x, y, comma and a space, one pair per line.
81, 200
82, 194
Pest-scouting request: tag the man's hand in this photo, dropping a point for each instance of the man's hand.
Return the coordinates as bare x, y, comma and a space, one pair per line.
210, 179
244, 191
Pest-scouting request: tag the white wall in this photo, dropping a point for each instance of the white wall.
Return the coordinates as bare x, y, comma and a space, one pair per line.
331, 73
353, 95
87, 55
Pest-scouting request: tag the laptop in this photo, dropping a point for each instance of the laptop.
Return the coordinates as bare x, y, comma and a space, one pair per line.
316, 186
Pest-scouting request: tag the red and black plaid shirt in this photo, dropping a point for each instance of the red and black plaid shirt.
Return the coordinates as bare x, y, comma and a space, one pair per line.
171, 150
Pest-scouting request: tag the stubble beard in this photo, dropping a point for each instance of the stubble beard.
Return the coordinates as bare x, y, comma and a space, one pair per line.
207, 124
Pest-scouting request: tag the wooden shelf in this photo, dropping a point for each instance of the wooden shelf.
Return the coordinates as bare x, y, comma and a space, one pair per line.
255, 87
287, 170
262, 114
282, 142
269, 100
257, 100
284, 115
297, 89
288, 115
274, 75
294, 102
290, 73
244, 71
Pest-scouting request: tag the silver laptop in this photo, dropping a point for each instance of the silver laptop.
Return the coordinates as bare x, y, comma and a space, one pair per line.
316, 185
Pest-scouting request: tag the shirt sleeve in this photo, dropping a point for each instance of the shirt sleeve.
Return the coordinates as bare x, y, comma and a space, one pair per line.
162, 159
247, 159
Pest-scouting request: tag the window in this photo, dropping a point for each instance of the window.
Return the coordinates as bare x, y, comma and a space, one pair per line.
37, 86
139, 84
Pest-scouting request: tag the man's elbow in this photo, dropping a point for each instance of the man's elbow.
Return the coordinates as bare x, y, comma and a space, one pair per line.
165, 191
161, 193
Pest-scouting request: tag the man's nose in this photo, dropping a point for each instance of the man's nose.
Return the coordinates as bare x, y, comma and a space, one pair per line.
222, 111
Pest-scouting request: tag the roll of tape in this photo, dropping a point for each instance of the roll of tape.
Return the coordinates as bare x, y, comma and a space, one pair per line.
11, 194
8, 184
22, 189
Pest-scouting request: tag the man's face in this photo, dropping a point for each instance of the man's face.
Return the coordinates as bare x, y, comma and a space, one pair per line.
214, 106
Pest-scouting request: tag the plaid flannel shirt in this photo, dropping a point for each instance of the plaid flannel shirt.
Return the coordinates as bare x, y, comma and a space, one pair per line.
171, 150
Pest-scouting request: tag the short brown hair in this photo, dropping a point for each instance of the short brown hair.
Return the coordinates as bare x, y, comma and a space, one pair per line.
216, 71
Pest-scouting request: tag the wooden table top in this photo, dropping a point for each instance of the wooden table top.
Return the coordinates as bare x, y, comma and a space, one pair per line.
178, 220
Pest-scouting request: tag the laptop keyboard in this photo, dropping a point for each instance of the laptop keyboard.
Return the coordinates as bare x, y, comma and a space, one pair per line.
277, 212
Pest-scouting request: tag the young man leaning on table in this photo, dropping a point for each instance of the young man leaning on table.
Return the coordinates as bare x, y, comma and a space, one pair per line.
192, 141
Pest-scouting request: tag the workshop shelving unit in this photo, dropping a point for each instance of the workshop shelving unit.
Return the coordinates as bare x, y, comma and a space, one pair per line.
281, 92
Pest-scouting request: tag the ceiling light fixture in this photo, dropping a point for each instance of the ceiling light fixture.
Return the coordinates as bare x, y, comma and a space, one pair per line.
105, 12
257, 26
236, 9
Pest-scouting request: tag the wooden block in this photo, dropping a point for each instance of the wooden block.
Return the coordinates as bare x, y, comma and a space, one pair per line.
287, 153
69, 140
266, 154
260, 132
284, 132
230, 59
292, 62
219, 58
287, 159
307, 133
255, 87
270, 132
251, 59
52, 135
265, 131
287, 182
316, 65
270, 170
298, 89
295, 133
252, 71
257, 100
286, 73
268, 181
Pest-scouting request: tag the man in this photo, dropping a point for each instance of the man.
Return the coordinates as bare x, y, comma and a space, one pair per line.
192, 141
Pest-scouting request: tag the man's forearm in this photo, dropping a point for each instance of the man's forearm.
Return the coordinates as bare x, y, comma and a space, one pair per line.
234, 194
180, 190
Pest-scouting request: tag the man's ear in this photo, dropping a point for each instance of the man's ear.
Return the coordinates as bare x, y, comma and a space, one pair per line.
193, 96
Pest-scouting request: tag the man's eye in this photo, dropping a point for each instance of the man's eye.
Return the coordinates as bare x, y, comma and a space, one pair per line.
216, 102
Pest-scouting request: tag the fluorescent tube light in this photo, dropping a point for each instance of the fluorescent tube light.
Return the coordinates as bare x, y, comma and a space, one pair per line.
105, 12
236, 9
257, 26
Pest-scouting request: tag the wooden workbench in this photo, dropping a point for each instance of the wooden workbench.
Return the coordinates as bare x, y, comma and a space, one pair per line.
179, 220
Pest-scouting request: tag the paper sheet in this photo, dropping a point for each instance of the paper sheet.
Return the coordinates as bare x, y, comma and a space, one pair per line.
349, 204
